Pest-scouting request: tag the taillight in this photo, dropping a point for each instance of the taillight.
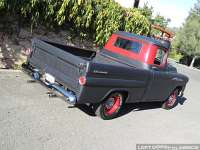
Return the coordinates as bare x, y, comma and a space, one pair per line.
27, 51
82, 80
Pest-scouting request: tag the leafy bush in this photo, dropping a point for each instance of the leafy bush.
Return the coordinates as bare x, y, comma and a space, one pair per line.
175, 55
108, 20
2, 5
94, 18
135, 22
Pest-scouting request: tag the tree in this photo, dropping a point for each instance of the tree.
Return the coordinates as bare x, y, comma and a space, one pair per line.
147, 11
161, 21
136, 3
188, 37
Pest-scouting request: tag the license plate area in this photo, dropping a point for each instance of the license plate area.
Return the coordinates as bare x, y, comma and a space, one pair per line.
49, 78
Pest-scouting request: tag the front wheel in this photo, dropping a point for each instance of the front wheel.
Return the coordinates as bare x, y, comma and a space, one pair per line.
171, 102
110, 107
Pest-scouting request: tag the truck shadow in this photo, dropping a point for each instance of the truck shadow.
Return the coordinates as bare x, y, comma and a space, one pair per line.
132, 107
181, 100
147, 106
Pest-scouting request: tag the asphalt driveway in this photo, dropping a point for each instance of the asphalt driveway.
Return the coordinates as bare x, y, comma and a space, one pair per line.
29, 120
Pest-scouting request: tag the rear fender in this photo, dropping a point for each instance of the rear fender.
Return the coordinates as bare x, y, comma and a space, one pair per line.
125, 93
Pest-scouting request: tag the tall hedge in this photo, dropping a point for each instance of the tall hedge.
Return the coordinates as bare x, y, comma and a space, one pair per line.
99, 18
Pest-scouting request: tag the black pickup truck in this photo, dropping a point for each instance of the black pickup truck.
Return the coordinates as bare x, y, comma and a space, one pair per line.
130, 68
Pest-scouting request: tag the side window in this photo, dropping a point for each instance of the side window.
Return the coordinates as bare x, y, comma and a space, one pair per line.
159, 57
128, 45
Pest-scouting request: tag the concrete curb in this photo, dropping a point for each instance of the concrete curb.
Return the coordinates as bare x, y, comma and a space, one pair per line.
191, 68
174, 61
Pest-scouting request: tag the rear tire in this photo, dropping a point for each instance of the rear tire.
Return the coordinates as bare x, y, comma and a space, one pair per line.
171, 101
110, 107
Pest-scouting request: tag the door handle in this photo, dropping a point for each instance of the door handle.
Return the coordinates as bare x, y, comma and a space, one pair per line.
154, 68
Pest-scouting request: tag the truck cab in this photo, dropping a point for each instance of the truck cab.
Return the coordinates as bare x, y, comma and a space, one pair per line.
146, 54
153, 52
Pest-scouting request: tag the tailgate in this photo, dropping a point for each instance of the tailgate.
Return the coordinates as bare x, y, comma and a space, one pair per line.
64, 66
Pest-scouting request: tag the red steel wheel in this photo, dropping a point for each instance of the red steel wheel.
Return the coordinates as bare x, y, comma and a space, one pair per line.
112, 104
171, 101
111, 107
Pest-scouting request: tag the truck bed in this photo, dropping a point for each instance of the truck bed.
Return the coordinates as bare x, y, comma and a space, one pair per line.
61, 61
80, 52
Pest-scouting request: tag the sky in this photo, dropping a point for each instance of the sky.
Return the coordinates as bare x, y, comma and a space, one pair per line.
177, 10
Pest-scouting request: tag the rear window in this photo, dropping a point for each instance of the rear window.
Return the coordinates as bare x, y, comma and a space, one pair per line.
128, 45
159, 59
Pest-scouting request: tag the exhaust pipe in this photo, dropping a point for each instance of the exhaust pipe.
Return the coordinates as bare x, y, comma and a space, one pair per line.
36, 74
71, 98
